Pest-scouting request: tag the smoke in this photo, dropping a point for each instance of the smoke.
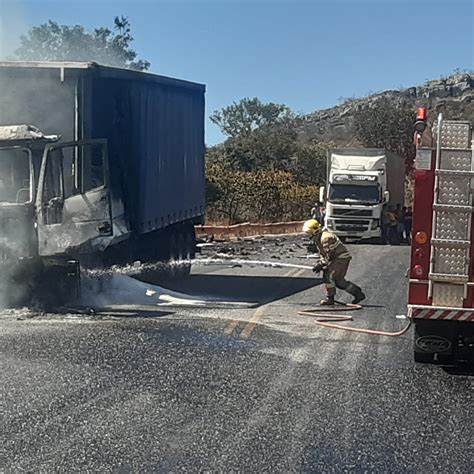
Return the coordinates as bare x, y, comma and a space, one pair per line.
12, 294
39, 98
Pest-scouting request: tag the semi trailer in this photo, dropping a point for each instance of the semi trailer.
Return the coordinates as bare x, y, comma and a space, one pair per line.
98, 165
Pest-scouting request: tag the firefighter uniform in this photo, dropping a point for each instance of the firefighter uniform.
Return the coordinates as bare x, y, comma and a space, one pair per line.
335, 259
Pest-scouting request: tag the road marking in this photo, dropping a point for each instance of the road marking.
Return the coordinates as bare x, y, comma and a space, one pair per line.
251, 325
233, 323
248, 329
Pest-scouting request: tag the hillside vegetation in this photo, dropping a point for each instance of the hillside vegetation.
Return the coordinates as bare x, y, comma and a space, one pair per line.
272, 162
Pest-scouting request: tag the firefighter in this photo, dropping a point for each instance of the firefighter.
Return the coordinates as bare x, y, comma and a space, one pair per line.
334, 262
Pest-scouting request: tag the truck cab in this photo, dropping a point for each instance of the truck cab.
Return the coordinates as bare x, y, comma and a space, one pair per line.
54, 203
21, 152
359, 185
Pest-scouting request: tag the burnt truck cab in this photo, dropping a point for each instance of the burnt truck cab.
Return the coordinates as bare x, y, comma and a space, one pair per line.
21, 152
125, 181
54, 205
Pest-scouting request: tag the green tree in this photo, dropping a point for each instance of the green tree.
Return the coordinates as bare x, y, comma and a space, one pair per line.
386, 124
226, 193
261, 173
310, 164
241, 118
258, 196
268, 147
53, 42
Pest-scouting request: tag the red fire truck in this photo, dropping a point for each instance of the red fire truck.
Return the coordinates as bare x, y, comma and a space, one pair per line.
441, 285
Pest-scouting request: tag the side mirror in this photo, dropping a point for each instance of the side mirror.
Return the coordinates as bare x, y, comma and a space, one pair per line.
322, 194
386, 196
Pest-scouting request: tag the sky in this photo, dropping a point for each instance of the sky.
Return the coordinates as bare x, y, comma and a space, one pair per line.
305, 54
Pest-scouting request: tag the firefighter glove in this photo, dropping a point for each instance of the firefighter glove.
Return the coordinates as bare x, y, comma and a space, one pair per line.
318, 267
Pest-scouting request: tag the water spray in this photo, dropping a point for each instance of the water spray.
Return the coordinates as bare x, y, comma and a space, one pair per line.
252, 263
139, 267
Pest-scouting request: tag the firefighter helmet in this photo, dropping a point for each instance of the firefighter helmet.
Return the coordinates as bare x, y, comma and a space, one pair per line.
311, 227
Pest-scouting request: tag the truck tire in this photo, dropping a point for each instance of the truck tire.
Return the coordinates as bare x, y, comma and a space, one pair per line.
192, 242
173, 256
184, 267
179, 254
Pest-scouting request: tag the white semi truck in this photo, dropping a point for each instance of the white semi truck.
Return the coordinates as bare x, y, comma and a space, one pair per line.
360, 184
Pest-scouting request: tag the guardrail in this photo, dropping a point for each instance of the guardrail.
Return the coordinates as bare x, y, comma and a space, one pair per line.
247, 229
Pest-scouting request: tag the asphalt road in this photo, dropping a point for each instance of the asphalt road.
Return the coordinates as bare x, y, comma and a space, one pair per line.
223, 386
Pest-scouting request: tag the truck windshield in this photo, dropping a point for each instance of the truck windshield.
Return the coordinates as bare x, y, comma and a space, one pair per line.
14, 175
342, 193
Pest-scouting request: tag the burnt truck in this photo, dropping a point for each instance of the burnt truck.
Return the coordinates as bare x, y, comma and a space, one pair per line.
98, 165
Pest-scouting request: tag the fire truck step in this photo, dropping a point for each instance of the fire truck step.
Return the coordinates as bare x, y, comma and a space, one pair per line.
452, 208
462, 174
449, 277
455, 244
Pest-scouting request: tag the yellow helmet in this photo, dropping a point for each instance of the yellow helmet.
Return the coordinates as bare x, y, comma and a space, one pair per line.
311, 227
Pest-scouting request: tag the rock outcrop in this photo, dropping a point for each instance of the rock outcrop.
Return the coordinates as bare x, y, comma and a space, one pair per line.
453, 96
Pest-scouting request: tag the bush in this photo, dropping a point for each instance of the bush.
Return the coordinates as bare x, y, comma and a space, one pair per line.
256, 196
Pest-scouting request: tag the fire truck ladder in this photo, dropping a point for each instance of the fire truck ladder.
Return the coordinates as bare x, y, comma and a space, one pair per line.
452, 214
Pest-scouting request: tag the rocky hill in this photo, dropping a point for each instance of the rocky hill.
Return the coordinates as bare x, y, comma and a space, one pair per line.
453, 96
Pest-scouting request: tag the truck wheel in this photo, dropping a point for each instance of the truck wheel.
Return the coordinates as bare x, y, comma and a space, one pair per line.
185, 255
191, 236
173, 256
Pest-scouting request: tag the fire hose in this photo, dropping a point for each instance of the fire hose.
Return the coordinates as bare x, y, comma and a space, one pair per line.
325, 320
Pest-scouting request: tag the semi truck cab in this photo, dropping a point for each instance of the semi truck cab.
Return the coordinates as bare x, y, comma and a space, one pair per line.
21, 151
359, 186
54, 203
59, 191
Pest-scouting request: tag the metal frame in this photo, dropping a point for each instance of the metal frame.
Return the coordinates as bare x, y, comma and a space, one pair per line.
96, 141
435, 212
421, 306
103, 71
447, 208
412, 308
32, 169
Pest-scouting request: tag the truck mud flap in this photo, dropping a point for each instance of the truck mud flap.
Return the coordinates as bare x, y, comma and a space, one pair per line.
60, 283
443, 342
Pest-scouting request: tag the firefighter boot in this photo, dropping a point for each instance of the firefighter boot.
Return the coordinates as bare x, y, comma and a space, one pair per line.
359, 297
356, 292
329, 301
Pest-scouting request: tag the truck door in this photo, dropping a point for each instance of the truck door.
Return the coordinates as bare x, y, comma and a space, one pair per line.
73, 203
